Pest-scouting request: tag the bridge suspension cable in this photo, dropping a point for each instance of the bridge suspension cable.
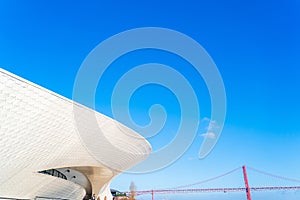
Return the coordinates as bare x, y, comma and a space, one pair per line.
274, 175
206, 180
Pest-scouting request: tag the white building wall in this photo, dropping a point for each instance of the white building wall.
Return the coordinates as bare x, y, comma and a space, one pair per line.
37, 132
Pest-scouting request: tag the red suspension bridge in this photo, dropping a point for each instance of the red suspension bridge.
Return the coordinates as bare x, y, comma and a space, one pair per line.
247, 189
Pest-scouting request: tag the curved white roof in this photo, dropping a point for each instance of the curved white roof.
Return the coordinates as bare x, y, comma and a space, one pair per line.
38, 132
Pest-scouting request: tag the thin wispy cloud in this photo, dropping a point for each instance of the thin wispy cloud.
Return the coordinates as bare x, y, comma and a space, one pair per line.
210, 128
209, 135
191, 158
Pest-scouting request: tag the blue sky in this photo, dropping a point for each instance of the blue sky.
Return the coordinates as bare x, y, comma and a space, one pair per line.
255, 45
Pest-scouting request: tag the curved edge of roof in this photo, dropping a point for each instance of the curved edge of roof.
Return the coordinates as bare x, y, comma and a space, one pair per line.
93, 166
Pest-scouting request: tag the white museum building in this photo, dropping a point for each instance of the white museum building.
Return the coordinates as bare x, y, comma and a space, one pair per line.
54, 148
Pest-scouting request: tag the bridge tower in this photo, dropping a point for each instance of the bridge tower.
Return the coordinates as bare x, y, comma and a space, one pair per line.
152, 192
246, 183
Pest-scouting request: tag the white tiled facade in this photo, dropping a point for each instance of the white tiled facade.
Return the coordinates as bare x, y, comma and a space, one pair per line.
38, 132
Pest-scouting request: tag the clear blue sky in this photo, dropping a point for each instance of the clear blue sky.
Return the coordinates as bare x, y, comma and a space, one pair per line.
255, 44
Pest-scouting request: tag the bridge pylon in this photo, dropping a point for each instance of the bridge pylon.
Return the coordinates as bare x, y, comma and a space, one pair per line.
246, 183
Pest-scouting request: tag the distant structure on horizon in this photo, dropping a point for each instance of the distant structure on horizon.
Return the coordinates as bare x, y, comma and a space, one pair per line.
42, 152
117, 195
